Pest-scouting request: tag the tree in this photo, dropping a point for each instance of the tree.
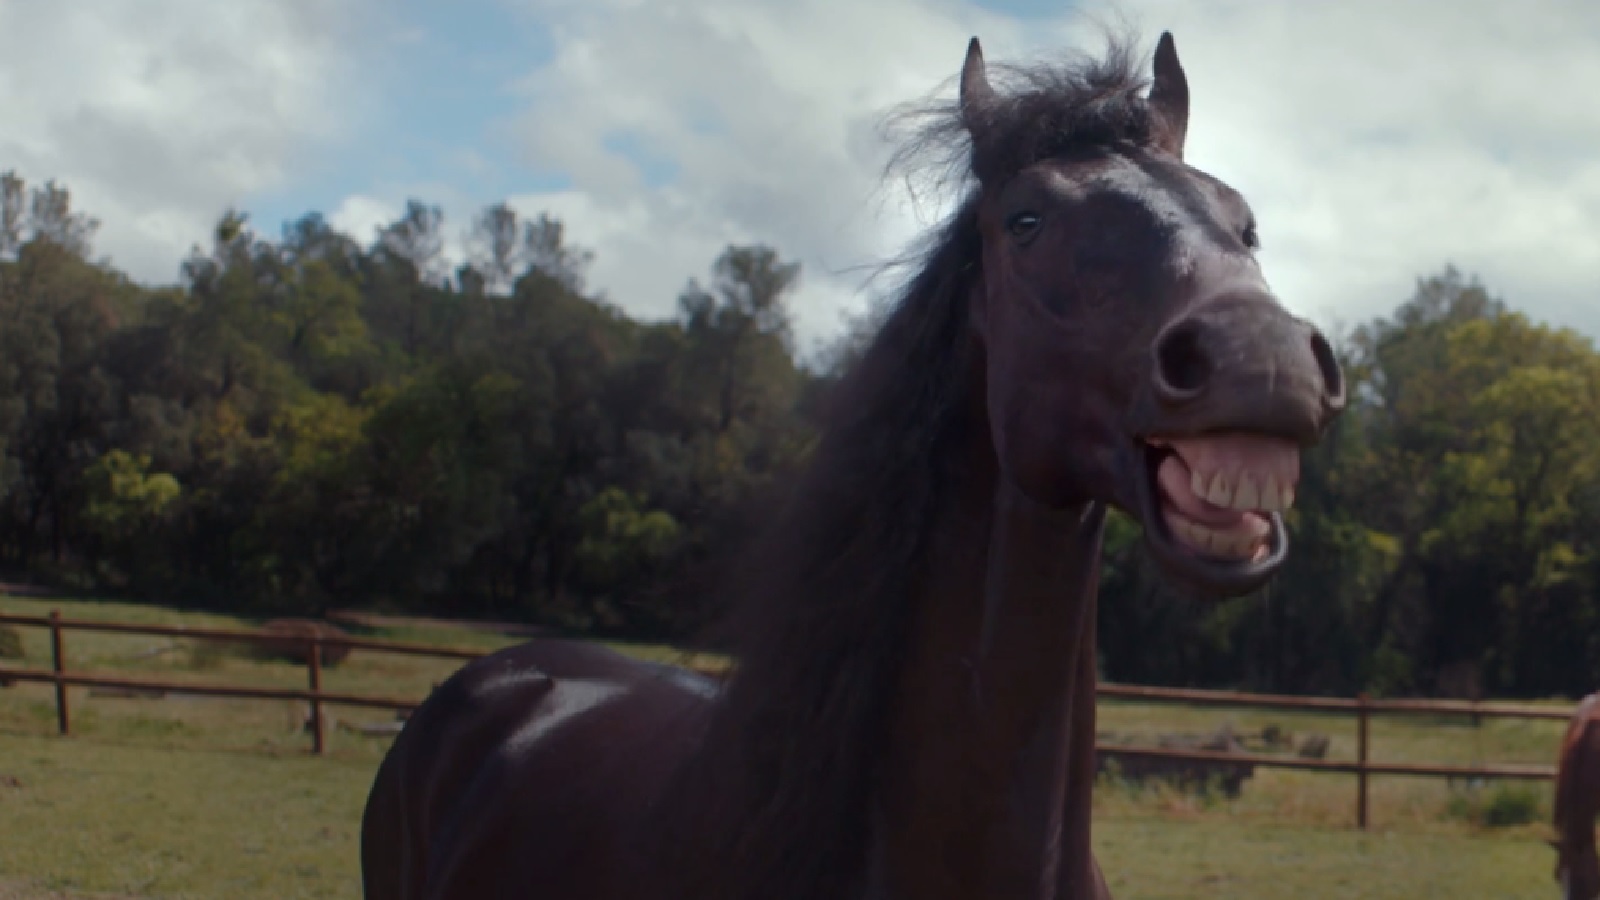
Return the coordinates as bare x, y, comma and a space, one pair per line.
738, 332
506, 247
315, 420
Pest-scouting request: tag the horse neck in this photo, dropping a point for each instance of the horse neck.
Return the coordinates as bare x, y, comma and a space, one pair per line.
991, 760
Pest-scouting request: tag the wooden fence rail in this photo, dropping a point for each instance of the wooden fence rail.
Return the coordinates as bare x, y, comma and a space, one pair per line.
1362, 707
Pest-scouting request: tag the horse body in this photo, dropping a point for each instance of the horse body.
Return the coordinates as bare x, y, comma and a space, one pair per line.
555, 769
1577, 802
533, 761
911, 711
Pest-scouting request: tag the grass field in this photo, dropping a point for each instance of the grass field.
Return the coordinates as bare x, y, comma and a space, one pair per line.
219, 799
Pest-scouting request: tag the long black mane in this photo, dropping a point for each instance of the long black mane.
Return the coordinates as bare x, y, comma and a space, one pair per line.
793, 751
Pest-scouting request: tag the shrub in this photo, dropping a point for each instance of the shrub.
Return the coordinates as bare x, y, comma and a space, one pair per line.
1501, 806
293, 646
11, 643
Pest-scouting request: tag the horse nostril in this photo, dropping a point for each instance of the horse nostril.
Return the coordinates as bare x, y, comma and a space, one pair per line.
1182, 366
1332, 373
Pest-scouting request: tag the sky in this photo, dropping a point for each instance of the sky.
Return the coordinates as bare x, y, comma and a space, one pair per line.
1377, 140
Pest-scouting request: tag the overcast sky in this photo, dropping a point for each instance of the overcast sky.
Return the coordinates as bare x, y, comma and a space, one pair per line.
1378, 140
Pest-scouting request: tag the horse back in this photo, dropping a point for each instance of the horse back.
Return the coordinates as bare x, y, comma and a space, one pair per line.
526, 773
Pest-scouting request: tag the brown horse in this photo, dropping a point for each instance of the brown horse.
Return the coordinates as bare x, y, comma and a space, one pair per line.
912, 710
1577, 803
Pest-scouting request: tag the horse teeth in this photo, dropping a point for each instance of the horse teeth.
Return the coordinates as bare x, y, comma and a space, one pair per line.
1271, 499
1246, 496
1221, 492
1288, 498
1197, 483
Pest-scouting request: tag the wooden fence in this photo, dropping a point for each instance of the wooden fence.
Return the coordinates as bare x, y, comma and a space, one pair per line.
313, 694
1362, 707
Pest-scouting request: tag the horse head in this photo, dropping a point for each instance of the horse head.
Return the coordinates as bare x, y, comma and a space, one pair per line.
1133, 351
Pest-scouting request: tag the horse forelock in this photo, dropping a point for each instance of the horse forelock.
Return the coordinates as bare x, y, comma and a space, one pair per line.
1038, 112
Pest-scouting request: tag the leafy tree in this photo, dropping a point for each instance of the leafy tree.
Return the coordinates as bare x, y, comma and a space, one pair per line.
320, 420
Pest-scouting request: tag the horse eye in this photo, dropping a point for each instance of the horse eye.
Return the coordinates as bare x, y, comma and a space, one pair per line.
1250, 238
1022, 224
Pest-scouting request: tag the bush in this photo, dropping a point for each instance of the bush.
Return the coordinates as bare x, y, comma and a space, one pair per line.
10, 643
292, 648
1502, 806
208, 656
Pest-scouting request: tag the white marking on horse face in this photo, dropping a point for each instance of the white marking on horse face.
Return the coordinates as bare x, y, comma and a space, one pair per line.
1120, 176
566, 700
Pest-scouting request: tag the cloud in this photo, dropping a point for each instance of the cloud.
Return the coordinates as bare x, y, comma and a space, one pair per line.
765, 112
1377, 140
159, 115
361, 216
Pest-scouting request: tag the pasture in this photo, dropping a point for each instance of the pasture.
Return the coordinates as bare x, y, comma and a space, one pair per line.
188, 797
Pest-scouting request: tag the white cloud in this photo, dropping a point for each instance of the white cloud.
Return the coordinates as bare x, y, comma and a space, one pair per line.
1377, 140
640, 264
361, 216
763, 108
158, 115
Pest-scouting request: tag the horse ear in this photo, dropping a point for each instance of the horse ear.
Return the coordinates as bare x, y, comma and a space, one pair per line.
977, 96
1169, 96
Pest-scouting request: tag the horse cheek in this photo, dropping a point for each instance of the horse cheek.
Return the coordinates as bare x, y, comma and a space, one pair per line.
1032, 434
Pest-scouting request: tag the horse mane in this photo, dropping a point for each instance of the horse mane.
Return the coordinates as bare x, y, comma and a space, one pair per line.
825, 599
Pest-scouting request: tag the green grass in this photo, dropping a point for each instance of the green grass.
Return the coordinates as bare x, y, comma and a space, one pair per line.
94, 815
1153, 859
189, 797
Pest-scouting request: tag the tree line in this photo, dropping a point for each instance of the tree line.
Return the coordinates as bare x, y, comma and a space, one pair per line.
313, 421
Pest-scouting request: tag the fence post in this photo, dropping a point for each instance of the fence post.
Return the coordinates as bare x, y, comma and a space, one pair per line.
58, 663
1361, 760
314, 669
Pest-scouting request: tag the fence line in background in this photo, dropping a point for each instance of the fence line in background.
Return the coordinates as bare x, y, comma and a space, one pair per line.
1362, 707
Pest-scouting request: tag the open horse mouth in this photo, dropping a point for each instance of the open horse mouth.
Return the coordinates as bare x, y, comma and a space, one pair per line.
1213, 505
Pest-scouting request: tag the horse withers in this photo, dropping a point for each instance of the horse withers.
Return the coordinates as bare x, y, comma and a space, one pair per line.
911, 711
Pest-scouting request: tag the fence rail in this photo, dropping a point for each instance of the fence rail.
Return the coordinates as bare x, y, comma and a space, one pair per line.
1362, 707
1335, 704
